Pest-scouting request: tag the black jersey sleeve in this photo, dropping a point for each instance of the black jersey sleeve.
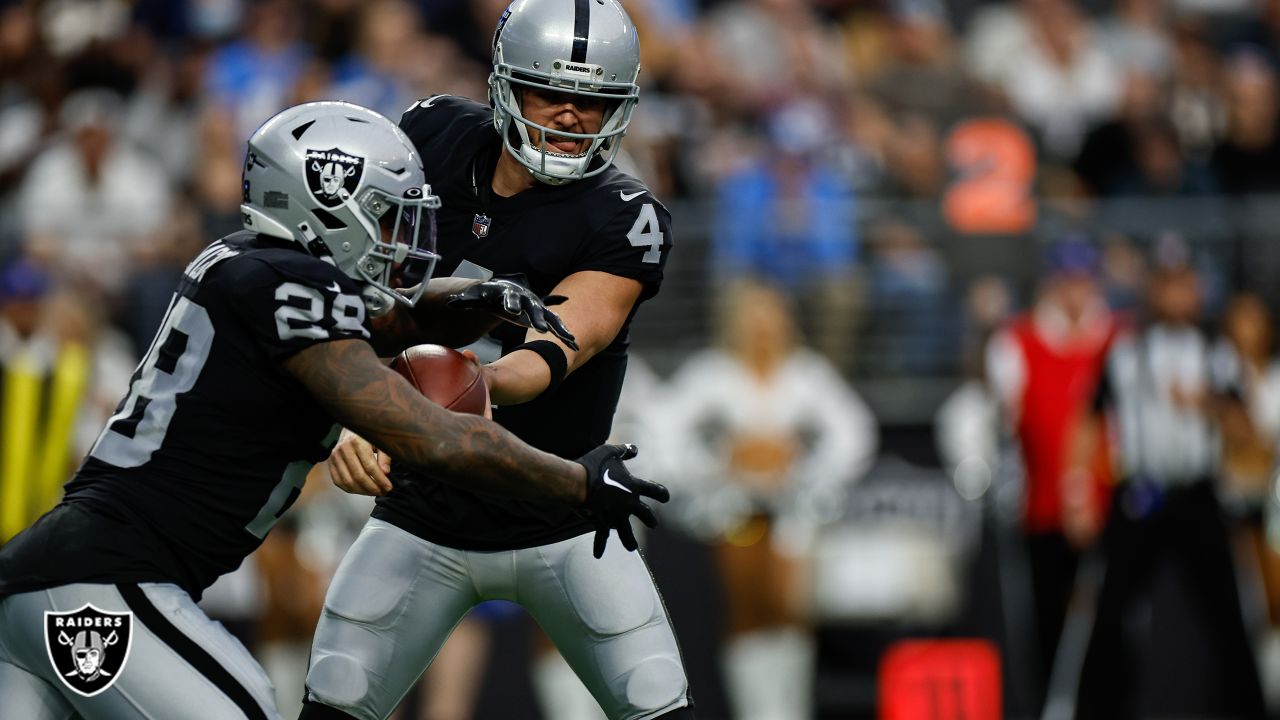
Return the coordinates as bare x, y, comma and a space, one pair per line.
288, 301
633, 243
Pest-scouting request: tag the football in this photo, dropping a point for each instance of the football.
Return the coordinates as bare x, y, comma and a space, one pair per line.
445, 376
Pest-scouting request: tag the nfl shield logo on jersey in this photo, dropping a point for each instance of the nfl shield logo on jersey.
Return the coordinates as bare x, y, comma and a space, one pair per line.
88, 647
332, 175
480, 226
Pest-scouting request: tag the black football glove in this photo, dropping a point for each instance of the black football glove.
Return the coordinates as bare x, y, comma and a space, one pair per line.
614, 495
516, 304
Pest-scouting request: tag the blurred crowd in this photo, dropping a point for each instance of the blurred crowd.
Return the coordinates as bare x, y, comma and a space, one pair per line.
788, 124
1060, 208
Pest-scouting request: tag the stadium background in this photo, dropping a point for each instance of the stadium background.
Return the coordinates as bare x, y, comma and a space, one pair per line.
905, 171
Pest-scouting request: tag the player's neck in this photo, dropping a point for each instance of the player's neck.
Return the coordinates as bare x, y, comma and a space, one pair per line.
510, 177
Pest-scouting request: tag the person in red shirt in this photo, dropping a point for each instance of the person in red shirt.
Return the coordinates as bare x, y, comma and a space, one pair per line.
1044, 366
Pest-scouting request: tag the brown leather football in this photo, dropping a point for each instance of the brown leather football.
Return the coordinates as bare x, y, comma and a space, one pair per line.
445, 376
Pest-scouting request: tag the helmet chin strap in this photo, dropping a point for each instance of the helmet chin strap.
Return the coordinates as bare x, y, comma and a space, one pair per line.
570, 167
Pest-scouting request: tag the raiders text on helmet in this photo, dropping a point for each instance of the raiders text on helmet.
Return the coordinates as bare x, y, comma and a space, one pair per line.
348, 185
582, 47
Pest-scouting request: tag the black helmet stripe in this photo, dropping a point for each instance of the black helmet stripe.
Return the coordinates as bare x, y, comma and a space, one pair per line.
581, 28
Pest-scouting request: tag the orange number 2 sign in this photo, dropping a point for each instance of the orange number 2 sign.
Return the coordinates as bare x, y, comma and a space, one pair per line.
995, 166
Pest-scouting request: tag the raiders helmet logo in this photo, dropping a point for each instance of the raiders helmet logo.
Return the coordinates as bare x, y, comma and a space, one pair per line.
332, 175
88, 647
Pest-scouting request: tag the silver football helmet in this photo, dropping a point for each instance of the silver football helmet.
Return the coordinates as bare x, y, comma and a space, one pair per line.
582, 47
348, 185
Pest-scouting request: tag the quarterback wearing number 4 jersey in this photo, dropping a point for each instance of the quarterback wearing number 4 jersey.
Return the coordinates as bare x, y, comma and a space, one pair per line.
528, 191
265, 346
608, 223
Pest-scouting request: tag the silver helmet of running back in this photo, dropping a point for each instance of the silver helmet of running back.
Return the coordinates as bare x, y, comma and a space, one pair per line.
583, 47
348, 186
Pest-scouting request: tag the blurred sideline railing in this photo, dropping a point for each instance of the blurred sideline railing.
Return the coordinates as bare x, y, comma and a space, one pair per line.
907, 350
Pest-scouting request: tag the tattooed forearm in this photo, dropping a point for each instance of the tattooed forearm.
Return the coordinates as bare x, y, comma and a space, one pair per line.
347, 379
394, 332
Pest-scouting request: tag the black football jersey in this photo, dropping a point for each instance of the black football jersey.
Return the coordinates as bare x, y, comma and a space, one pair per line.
214, 439
609, 222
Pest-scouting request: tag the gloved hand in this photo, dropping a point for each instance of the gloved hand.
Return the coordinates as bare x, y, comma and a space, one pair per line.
516, 304
614, 495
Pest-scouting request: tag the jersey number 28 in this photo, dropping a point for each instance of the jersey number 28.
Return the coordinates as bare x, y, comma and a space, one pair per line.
170, 368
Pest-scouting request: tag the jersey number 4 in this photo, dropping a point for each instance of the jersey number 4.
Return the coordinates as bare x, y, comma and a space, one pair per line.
646, 233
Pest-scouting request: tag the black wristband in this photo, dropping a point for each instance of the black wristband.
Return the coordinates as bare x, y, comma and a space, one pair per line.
553, 355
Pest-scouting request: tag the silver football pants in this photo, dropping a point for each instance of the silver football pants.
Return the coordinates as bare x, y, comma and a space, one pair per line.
177, 664
396, 598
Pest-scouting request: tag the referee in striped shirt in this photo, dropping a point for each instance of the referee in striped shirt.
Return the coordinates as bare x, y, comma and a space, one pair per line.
1155, 397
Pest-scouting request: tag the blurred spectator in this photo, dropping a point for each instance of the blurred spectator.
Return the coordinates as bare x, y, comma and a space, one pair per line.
375, 74
31, 89
1136, 37
1139, 152
1155, 395
91, 201
1246, 371
1161, 169
72, 27
914, 166
1124, 273
1247, 376
1043, 368
770, 436
1195, 101
1044, 56
61, 375
967, 424
910, 313
1247, 160
157, 265
789, 218
774, 50
925, 75
251, 78
1108, 157
163, 115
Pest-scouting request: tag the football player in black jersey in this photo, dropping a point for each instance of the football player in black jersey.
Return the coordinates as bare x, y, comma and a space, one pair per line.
529, 191
264, 346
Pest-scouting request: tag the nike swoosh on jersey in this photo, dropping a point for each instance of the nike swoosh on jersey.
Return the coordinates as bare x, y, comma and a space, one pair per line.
335, 287
428, 101
610, 481
628, 198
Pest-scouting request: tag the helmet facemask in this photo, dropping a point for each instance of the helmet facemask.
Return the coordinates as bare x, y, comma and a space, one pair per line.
401, 255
